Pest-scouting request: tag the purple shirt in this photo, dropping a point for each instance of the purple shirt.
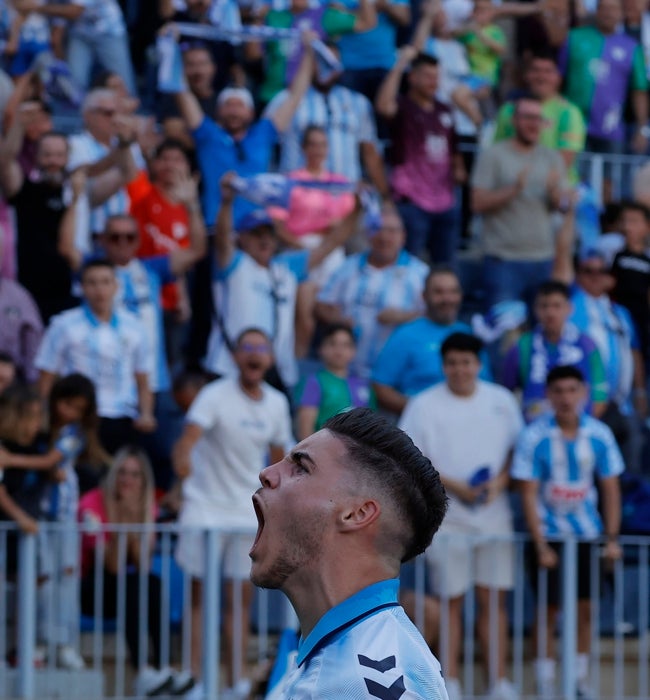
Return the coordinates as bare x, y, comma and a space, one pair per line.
21, 327
424, 143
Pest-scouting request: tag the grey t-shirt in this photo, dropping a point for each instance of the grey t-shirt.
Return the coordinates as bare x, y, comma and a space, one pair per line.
522, 229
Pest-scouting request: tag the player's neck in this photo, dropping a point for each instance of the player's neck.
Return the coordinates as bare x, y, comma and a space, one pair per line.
568, 424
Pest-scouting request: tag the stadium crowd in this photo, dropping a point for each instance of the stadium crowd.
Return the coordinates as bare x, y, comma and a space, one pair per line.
170, 324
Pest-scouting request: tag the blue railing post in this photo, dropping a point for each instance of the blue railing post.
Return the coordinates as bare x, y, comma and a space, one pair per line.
26, 615
211, 614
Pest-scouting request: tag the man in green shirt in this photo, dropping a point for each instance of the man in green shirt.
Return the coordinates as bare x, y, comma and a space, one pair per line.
563, 128
282, 57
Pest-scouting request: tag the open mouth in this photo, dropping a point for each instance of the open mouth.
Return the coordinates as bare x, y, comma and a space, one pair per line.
260, 523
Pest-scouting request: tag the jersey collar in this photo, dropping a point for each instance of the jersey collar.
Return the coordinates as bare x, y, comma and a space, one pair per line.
94, 321
362, 604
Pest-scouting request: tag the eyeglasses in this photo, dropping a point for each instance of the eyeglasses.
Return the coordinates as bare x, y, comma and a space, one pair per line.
251, 347
105, 111
119, 237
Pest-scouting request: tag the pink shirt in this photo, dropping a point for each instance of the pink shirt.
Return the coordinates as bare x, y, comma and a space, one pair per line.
313, 210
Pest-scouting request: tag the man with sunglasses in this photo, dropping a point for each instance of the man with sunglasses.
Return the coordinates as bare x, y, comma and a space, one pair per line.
611, 328
517, 184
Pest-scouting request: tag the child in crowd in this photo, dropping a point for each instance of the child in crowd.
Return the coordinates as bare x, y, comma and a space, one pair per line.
73, 434
332, 389
7, 371
22, 492
28, 35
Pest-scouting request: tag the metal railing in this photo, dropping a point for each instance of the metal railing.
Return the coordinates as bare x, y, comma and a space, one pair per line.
620, 621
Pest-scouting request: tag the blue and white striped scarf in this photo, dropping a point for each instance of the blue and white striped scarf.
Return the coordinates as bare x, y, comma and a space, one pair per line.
170, 73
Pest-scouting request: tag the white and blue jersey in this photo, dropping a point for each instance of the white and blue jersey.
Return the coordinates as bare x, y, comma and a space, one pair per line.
248, 295
362, 291
110, 354
100, 17
365, 647
346, 116
610, 326
64, 496
139, 284
85, 150
567, 502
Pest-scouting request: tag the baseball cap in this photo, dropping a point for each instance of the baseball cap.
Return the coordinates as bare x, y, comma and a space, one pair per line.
253, 220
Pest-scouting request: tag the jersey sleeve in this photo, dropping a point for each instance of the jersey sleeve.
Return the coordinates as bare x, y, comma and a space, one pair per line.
572, 130
525, 464
143, 355
484, 173
417, 429
610, 461
49, 356
367, 124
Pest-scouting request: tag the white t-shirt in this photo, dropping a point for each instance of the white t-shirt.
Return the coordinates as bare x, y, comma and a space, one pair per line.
237, 434
460, 435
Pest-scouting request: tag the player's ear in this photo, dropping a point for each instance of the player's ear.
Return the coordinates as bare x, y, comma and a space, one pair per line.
359, 514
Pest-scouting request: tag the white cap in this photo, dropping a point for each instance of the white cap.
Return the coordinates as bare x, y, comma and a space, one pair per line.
236, 93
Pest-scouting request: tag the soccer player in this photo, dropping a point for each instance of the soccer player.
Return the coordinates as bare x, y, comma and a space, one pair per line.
336, 517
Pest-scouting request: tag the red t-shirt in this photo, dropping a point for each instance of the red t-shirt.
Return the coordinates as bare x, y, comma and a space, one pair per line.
164, 227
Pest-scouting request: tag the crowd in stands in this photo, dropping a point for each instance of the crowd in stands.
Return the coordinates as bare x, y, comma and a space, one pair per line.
165, 331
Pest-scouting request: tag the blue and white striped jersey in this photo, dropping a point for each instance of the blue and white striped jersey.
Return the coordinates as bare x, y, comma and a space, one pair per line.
108, 353
610, 326
362, 291
568, 500
346, 116
365, 647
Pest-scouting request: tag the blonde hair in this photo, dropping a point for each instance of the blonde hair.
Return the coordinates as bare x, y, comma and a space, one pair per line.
148, 490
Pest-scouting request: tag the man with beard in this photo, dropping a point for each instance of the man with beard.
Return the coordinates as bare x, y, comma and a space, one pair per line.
347, 118
337, 516
517, 184
235, 142
231, 427
410, 361
39, 201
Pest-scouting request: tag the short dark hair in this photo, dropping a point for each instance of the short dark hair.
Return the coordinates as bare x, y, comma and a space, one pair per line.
544, 54
170, 144
424, 59
54, 135
334, 328
564, 372
462, 342
631, 205
398, 469
437, 270
549, 287
93, 264
309, 130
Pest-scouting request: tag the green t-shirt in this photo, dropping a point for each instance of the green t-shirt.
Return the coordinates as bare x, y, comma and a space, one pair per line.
283, 56
483, 61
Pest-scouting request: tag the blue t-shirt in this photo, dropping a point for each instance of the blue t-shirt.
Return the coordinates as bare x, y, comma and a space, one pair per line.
218, 153
410, 361
372, 49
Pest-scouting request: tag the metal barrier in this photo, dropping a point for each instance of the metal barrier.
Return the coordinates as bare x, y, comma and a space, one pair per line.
620, 621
